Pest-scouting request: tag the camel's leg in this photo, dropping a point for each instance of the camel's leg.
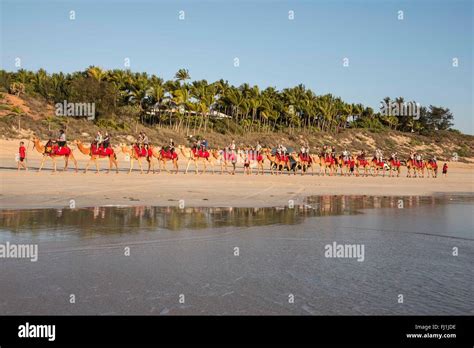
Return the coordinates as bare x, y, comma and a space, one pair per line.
75, 161
87, 166
97, 166
116, 165
131, 165
212, 166
140, 165
175, 162
66, 162
54, 164
149, 165
187, 166
42, 163
110, 164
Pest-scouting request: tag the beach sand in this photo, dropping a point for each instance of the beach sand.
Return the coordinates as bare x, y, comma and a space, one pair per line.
41, 190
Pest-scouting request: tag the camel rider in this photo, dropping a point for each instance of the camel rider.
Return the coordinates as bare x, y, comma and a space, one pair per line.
140, 139
378, 155
433, 160
333, 152
283, 150
61, 140
419, 159
204, 145
345, 155
394, 156
258, 148
171, 146
232, 146
145, 140
362, 155
324, 151
106, 141
98, 139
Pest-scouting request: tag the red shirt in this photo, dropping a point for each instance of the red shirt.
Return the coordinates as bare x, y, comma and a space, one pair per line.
22, 152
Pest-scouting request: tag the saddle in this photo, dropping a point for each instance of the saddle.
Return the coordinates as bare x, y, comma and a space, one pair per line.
64, 151
101, 151
142, 152
304, 157
200, 153
168, 154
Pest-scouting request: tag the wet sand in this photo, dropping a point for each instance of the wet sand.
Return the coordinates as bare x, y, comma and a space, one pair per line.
82, 252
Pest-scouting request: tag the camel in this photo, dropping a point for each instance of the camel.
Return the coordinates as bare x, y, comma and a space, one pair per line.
326, 164
53, 153
277, 163
375, 166
395, 165
345, 165
136, 156
302, 163
255, 157
165, 156
95, 155
224, 158
194, 156
362, 163
414, 169
431, 168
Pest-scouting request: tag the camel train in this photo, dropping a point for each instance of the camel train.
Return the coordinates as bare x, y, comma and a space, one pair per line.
291, 163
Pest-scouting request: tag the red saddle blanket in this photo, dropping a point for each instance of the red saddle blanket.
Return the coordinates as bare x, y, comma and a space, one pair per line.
168, 154
329, 159
63, 151
282, 158
363, 162
394, 163
416, 164
101, 151
142, 152
433, 164
255, 157
305, 158
347, 162
229, 156
378, 163
200, 153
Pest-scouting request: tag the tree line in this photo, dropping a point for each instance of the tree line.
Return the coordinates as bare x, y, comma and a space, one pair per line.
188, 106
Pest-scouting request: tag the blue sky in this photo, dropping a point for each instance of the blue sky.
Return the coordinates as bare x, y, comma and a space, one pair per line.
387, 57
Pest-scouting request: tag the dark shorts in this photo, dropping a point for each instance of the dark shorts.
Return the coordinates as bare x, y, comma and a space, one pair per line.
22, 159
61, 143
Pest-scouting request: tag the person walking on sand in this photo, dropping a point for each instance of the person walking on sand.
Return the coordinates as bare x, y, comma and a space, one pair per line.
22, 156
445, 169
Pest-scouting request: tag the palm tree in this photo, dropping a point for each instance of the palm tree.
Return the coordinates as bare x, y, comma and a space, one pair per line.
182, 75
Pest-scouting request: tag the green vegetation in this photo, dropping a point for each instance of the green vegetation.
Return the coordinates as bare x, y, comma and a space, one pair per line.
125, 99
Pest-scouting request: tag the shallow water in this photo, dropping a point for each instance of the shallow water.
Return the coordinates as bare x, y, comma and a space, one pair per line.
408, 249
